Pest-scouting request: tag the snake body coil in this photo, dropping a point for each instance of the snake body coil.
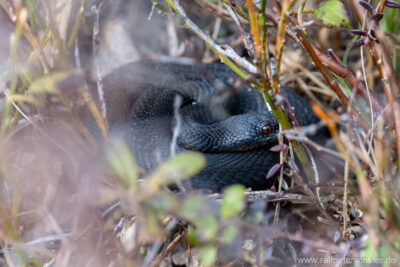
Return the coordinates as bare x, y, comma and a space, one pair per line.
230, 124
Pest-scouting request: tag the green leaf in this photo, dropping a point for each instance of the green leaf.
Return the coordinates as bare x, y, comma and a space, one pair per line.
48, 83
207, 227
380, 254
195, 211
192, 236
191, 207
183, 165
152, 224
56, 82
207, 255
232, 202
122, 163
229, 234
163, 202
333, 12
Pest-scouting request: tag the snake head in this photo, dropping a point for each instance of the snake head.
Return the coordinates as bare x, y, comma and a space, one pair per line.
236, 133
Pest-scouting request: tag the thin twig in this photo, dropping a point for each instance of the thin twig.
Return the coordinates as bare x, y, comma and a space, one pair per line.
168, 250
253, 196
345, 192
396, 115
333, 65
97, 63
245, 36
225, 55
333, 83
382, 58
15, 16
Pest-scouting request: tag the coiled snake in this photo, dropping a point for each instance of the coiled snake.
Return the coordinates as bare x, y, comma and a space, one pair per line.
230, 124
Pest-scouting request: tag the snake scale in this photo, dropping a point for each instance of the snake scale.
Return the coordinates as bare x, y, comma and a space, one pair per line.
227, 121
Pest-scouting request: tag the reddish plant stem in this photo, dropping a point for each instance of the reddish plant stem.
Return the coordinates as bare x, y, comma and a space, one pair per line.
307, 46
334, 85
346, 73
334, 56
169, 248
396, 115
254, 28
385, 68
383, 49
279, 44
381, 7
337, 67
380, 55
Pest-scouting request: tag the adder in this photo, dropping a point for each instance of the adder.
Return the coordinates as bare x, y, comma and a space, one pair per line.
229, 122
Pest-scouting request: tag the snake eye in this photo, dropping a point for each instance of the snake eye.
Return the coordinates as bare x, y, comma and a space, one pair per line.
266, 129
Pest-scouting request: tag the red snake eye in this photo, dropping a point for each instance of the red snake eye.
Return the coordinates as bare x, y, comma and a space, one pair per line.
266, 129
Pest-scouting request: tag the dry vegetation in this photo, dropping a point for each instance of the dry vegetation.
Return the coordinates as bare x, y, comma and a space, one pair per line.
65, 200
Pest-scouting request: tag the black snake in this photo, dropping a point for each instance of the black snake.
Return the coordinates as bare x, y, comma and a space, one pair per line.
227, 121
